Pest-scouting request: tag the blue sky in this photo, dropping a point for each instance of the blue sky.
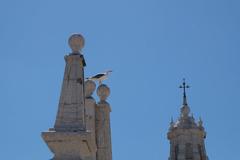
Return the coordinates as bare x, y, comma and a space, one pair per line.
150, 45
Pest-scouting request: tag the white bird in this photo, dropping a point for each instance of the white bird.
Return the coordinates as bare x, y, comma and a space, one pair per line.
100, 77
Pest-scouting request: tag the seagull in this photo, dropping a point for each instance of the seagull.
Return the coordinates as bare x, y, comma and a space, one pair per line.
100, 77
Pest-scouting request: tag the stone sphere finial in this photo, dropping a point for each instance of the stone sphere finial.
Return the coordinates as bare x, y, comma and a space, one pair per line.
76, 42
90, 87
103, 92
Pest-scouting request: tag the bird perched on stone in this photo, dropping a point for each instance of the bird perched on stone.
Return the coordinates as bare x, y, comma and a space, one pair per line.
100, 77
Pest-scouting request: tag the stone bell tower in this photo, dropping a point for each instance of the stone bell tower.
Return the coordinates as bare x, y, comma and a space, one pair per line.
82, 127
186, 136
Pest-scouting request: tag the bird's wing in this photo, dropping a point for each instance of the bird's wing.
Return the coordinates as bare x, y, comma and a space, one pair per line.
98, 75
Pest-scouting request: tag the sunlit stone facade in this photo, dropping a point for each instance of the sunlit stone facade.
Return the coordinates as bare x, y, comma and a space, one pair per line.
186, 136
82, 126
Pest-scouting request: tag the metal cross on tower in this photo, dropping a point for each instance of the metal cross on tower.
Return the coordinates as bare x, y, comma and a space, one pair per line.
184, 86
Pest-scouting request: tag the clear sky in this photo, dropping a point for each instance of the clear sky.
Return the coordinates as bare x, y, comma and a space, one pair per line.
149, 44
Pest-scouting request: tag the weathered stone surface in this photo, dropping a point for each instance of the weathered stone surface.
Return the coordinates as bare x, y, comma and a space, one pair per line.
70, 145
103, 92
90, 87
71, 105
186, 138
76, 43
90, 104
103, 128
82, 127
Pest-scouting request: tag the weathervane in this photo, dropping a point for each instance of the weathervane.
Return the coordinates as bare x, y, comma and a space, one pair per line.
184, 87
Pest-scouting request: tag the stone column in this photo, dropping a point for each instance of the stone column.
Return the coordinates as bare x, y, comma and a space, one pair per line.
90, 105
103, 130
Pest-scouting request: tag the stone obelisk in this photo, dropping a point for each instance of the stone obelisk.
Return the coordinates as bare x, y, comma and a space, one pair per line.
71, 110
70, 139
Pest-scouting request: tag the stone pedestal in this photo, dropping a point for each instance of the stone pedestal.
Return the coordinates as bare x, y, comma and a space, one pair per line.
70, 145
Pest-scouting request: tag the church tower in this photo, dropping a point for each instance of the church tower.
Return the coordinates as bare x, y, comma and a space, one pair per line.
186, 136
82, 126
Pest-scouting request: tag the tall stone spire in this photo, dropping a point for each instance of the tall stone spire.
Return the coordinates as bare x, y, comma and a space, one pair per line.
82, 127
186, 136
73, 135
71, 110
